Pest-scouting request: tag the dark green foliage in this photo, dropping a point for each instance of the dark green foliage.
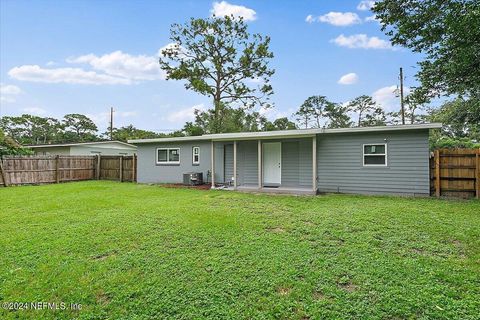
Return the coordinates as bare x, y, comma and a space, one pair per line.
130, 133
219, 58
8, 146
318, 111
447, 32
368, 112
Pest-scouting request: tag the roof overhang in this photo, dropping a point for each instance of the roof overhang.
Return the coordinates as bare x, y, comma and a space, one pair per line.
285, 134
80, 144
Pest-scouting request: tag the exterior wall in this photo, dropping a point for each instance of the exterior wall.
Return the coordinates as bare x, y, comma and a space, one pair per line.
340, 163
93, 150
296, 162
247, 163
62, 151
150, 172
228, 161
87, 150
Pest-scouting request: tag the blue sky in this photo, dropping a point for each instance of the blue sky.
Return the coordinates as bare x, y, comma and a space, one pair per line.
59, 57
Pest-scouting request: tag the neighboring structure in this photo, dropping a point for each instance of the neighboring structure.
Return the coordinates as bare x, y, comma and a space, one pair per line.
370, 160
86, 148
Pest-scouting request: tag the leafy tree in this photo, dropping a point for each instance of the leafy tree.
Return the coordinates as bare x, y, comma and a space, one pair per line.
365, 108
337, 116
461, 118
304, 116
316, 106
447, 32
8, 146
375, 118
130, 132
234, 120
79, 128
219, 58
29, 129
279, 124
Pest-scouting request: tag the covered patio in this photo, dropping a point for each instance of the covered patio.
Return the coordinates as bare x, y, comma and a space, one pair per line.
287, 165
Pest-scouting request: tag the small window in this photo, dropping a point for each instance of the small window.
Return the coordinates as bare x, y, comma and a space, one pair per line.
196, 155
375, 154
168, 155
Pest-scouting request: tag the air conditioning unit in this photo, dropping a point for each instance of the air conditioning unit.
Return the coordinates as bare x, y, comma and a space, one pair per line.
193, 178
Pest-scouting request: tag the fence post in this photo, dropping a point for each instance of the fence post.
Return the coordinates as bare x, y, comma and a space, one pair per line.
121, 169
57, 164
134, 168
97, 172
437, 173
477, 180
3, 173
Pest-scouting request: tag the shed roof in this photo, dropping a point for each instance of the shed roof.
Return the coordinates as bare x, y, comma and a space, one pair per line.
288, 133
93, 143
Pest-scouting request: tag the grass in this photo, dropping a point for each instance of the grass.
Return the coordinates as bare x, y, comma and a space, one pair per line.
126, 251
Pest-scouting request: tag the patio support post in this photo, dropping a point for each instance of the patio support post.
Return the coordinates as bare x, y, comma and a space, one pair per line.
314, 163
260, 164
235, 165
213, 163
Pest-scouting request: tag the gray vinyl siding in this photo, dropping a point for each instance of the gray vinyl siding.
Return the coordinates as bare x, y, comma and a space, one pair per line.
340, 163
228, 162
150, 172
247, 165
297, 163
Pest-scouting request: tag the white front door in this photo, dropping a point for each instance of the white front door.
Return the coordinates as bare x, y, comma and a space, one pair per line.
272, 163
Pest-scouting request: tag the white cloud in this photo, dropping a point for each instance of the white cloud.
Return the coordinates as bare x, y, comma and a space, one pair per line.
51, 63
35, 111
184, 115
310, 18
365, 5
361, 41
123, 65
222, 9
340, 18
349, 78
372, 18
8, 92
388, 98
36, 73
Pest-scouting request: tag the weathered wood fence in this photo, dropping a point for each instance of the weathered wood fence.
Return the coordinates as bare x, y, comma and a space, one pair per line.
455, 173
55, 169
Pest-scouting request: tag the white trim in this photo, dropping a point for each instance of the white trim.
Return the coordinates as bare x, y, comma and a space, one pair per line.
193, 155
168, 156
289, 133
385, 154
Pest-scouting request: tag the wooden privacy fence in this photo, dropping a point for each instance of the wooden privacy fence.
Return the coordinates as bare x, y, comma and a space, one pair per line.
18, 170
455, 172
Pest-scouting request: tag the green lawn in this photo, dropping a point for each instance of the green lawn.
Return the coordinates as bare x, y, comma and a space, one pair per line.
136, 252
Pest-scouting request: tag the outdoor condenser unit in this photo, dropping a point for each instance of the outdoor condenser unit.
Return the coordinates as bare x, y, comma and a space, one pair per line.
193, 178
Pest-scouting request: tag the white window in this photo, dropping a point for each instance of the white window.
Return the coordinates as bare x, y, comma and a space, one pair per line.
196, 155
375, 155
168, 155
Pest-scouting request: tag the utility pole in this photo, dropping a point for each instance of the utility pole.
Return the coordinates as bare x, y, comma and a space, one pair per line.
401, 96
111, 123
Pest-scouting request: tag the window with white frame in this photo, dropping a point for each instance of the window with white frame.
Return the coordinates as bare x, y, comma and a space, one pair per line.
168, 155
196, 155
375, 155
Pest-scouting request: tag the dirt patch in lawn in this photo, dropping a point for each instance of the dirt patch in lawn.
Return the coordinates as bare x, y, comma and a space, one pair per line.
276, 230
284, 291
184, 186
103, 256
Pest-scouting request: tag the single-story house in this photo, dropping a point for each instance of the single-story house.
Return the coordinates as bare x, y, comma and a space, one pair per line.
370, 160
109, 148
